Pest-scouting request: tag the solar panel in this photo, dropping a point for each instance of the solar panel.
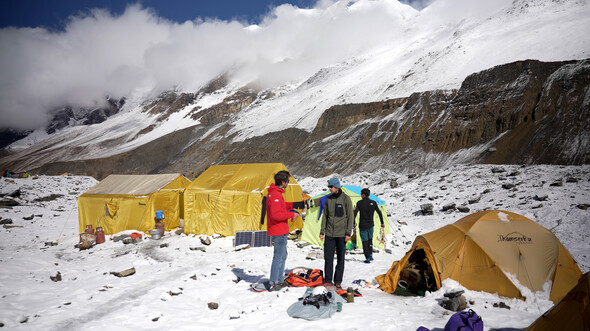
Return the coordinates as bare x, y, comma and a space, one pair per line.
252, 238
261, 239
243, 237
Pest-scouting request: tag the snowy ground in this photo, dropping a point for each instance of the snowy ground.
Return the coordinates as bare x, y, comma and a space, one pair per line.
173, 285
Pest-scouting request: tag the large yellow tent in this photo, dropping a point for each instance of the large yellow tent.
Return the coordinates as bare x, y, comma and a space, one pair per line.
570, 313
130, 202
479, 251
229, 198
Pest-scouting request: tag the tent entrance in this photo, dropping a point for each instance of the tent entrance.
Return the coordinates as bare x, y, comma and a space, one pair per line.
416, 277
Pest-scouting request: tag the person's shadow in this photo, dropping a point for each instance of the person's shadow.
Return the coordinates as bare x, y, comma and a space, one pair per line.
242, 275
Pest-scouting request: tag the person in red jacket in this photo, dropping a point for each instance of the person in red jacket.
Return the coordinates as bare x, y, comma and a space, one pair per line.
278, 214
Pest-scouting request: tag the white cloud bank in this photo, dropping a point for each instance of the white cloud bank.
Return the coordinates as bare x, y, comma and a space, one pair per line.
100, 54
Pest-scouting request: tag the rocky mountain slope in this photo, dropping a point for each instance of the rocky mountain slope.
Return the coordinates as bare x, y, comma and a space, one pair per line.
527, 112
437, 89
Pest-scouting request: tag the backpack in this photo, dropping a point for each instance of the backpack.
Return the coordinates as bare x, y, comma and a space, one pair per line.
463, 321
302, 276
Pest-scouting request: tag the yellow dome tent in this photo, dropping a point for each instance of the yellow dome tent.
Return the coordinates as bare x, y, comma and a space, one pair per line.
229, 198
570, 313
129, 202
479, 251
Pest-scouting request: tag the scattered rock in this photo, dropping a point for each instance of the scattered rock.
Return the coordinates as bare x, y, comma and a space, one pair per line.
175, 293
86, 240
583, 206
6, 221
558, 183
541, 197
450, 206
130, 240
179, 231
155, 319
463, 209
164, 245
50, 243
508, 186
486, 191
514, 173
242, 247
410, 176
537, 206
314, 256
193, 277
443, 188
49, 198
120, 237
497, 170
28, 218
206, 241
393, 183
200, 248
427, 209
454, 301
474, 200
501, 305
213, 305
124, 273
571, 180
7, 202
56, 278
14, 194
302, 244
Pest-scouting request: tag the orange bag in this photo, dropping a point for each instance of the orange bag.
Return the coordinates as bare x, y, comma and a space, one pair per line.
305, 277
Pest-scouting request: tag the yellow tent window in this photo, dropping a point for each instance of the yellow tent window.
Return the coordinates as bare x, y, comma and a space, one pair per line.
202, 202
240, 204
111, 208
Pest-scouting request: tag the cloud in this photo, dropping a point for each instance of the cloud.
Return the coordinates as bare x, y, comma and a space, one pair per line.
139, 53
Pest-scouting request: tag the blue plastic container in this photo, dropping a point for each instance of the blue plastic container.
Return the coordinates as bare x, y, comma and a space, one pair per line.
159, 214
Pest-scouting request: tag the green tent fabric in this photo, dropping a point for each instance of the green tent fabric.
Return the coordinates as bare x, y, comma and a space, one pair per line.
313, 219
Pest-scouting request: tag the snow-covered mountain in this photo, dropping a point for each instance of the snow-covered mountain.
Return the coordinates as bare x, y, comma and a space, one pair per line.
403, 51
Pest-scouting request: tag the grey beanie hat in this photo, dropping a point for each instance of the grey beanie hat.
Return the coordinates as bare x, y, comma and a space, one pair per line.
334, 182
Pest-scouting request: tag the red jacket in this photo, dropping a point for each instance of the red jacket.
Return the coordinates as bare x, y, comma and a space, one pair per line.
277, 212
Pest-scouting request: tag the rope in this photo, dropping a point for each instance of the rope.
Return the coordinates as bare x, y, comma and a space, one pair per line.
65, 223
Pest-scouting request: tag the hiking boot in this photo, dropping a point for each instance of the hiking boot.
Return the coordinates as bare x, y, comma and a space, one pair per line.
338, 286
368, 261
371, 258
277, 287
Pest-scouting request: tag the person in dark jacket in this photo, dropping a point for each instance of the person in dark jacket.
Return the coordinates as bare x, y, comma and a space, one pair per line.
367, 208
337, 222
278, 214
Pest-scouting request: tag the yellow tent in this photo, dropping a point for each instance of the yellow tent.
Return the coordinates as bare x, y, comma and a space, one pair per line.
570, 313
129, 202
229, 198
479, 251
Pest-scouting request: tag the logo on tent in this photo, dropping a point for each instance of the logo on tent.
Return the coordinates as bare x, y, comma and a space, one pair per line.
515, 237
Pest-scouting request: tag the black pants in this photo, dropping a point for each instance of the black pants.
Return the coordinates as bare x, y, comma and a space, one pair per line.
331, 244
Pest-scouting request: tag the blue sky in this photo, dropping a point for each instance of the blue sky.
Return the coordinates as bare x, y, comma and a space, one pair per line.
77, 55
54, 14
